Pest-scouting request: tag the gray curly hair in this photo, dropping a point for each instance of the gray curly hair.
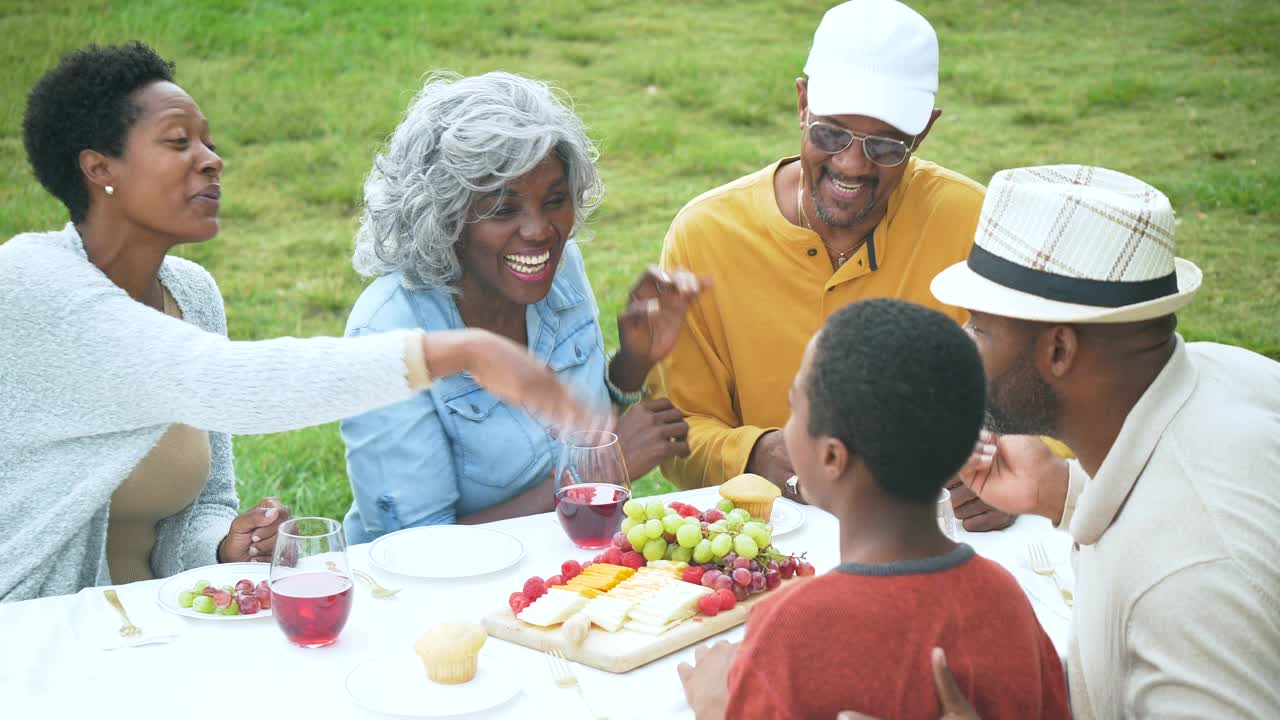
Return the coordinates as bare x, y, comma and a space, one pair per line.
462, 137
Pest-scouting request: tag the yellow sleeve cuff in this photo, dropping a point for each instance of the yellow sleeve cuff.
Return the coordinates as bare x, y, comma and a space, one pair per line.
1058, 448
737, 449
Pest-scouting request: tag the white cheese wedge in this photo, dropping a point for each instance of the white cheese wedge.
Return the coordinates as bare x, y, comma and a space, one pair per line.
668, 566
642, 584
553, 608
608, 612
653, 628
677, 600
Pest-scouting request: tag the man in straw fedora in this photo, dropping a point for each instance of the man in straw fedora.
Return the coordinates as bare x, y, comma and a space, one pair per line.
1174, 505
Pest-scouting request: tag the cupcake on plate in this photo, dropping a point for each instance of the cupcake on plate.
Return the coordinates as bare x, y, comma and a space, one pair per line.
449, 651
752, 493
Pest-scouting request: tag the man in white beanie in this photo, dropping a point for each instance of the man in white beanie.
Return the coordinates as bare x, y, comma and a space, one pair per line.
1072, 286
856, 215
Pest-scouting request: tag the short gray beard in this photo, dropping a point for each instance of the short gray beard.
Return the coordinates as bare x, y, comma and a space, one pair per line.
1020, 402
824, 214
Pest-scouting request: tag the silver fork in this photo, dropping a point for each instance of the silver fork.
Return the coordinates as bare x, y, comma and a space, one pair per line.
564, 677
128, 629
378, 592
1041, 565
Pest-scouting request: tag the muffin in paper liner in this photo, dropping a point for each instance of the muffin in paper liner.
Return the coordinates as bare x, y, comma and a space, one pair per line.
752, 493
450, 652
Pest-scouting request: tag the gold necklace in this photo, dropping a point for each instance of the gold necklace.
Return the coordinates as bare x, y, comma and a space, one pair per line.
840, 257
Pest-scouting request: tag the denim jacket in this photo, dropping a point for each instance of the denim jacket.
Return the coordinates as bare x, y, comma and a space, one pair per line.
454, 449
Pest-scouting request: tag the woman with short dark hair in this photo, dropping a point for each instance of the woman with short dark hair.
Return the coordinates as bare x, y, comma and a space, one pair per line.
118, 386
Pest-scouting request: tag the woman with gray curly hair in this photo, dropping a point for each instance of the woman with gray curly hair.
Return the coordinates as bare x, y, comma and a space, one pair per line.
470, 218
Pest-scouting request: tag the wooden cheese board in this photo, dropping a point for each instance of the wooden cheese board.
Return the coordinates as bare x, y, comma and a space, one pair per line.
624, 650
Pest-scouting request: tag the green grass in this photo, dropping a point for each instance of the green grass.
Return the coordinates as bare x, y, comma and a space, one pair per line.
301, 94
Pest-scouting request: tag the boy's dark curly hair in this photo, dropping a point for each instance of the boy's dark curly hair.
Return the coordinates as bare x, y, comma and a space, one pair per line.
903, 387
84, 103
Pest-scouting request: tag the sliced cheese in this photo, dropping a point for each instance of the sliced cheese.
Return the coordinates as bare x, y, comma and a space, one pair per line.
653, 628
553, 608
608, 612
669, 566
674, 600
645, 578
607, 569
600, 577
642, 589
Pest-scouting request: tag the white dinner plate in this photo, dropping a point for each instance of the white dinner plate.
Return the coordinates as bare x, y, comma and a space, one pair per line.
787, 516
398, 685
217, 575
445, 551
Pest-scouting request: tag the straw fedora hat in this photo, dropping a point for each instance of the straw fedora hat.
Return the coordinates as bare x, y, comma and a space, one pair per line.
1074, 244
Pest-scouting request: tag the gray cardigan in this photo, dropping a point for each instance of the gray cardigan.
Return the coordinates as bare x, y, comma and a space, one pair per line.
90, 379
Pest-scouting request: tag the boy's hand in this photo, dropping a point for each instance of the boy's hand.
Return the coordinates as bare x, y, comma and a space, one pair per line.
955, 706
706, 684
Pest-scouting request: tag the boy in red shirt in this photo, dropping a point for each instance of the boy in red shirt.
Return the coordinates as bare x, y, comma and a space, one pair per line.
886, 407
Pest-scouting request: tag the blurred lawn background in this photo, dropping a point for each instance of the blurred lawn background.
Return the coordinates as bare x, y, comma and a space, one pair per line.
682, 97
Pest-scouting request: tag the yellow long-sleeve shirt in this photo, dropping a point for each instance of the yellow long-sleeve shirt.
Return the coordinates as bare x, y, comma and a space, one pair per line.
774, 289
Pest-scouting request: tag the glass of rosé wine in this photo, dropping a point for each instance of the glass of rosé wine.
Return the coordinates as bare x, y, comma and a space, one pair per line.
591, 486
311, 588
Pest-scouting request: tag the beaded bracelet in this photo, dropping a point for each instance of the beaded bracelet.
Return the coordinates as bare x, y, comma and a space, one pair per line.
619, 396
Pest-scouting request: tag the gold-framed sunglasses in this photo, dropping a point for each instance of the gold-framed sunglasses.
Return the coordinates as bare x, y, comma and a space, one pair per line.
833, 139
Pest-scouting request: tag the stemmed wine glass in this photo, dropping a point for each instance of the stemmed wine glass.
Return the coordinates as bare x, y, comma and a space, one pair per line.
311, 588
946, 516
591, 485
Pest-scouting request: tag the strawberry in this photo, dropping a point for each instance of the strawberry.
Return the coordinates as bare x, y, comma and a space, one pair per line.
613, 556
693, 574
570, 569
518, 601
554, 580
633, 560
727, 599
709, 604
535, 588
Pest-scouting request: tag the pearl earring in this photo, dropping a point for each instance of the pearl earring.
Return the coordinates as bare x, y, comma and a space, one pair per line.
110, 190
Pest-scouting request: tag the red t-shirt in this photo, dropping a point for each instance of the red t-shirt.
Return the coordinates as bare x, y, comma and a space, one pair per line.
859, 638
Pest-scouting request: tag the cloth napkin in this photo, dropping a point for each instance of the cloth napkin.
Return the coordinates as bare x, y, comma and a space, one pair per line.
99, 623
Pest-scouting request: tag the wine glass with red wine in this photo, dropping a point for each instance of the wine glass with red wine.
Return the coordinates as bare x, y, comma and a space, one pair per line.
591, 486
311, 588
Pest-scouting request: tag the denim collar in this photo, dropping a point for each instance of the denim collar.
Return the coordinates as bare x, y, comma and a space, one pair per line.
563, 294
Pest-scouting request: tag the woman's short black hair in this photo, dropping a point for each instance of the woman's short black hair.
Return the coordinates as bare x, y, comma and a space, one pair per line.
84, 103
902, 386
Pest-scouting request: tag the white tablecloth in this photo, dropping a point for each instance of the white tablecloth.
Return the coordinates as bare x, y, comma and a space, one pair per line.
52, 664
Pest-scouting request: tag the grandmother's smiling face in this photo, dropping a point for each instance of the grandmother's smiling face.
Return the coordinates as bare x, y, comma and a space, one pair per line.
514, 237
